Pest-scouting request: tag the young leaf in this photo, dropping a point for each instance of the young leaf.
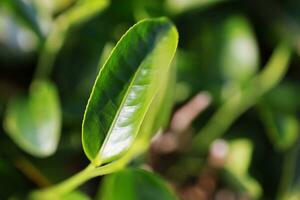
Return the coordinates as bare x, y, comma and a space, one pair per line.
125, 88
135, 184
34, 122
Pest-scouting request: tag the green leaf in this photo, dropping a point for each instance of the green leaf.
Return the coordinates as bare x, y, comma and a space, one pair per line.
240, 102
237, 164
125, 88
179, 6
224, 53
26, 13
282, 128
77, 15
135, 184
33, 123
278, 111
239, 55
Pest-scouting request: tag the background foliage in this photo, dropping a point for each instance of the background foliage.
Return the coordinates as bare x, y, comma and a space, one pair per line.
234, 97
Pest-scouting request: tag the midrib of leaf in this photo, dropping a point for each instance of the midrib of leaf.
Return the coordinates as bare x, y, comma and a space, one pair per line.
154, 46
98, 160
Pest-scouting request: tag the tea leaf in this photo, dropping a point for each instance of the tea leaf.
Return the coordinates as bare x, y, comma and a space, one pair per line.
34, 122
135, 184
125, 88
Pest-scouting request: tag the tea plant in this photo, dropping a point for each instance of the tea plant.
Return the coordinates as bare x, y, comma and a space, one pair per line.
200, 104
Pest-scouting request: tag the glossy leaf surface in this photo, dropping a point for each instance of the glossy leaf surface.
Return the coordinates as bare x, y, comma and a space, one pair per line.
125, 88
135, 184
34, 122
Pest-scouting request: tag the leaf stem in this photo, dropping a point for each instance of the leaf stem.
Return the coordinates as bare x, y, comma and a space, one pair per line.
242, 101
91, 171
60, 190
30, 171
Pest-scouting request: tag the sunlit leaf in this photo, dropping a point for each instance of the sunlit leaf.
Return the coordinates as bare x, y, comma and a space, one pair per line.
126, 87
33, 123
135, 184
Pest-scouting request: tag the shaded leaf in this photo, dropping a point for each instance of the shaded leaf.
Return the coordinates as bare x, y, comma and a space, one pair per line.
135, 184
278, 112
126, 87
34, 123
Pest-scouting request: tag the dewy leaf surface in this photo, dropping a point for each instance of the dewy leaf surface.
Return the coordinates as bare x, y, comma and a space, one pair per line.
34, 122
135, 184
125, 88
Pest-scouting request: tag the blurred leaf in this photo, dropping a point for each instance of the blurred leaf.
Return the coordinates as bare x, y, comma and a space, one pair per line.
17, 41
241, 101
239, 156
278, 111
282, 128
125, 88
239, 55
179, 6
90, 37
78, 14
237, 164
33, 123
135, 184
224, 53
284, 98
26, 13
